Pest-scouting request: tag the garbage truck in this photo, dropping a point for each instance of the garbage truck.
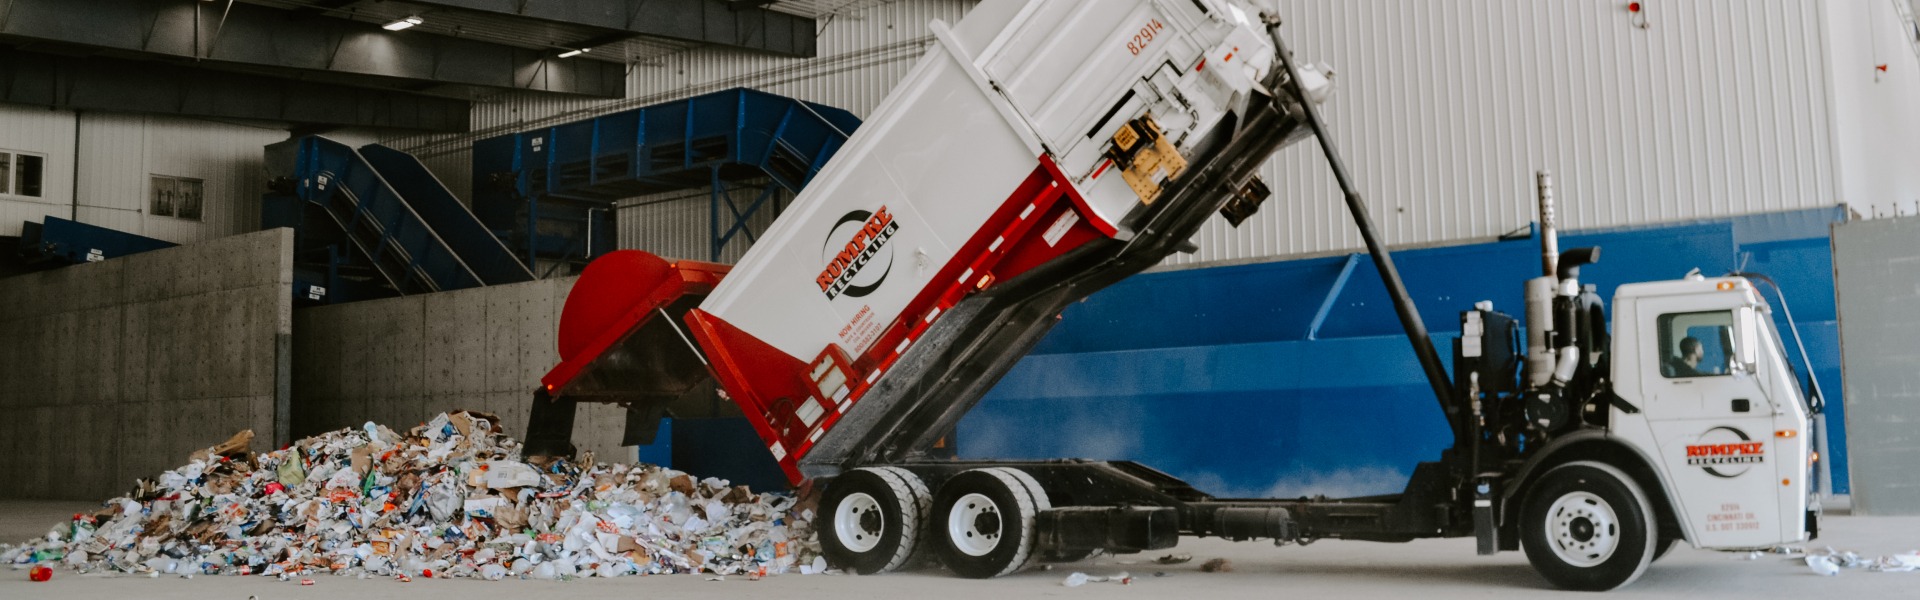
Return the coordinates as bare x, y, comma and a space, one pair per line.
1040, 151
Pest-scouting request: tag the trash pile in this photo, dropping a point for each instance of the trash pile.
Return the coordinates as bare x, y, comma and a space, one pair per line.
451, 498
1832, 561
1077, 579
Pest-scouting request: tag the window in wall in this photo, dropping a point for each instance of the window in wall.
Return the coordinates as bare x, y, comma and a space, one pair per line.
163, 190
22, 174
176, 197
1696, 344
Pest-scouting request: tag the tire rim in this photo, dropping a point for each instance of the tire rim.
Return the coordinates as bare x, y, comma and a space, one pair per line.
857, 522
974, 525
1583, 529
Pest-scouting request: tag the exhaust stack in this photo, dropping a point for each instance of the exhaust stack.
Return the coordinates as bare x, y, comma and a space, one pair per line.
1540, 291
1549, 234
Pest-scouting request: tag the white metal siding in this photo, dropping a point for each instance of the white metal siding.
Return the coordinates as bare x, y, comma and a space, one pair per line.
1444, 109
119, 153
1875, 121
861, 55
48, 133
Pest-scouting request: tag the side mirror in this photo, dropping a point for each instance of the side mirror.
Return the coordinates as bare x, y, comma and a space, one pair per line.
1747, 340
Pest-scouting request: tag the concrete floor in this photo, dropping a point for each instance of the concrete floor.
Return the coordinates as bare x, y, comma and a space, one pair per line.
1428, 569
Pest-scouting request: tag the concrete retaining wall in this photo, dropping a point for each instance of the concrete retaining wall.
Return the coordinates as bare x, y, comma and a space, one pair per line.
120, 369
401, 360
1877, 282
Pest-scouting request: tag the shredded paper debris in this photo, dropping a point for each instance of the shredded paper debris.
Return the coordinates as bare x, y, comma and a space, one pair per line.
450, 498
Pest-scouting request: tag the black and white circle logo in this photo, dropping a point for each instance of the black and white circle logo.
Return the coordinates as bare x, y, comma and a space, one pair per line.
857, 255
1726, 452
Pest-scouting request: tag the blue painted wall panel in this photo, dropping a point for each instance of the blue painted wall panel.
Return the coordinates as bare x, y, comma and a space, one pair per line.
1228, 305
1281, 419
1208, 373
1442, 282
1804, 270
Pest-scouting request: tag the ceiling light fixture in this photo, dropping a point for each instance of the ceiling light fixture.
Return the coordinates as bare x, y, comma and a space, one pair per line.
573, 53
402, 24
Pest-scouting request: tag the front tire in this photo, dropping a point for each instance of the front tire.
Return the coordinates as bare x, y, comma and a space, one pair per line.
873, 519
984, 519
1665, 545
1589, 527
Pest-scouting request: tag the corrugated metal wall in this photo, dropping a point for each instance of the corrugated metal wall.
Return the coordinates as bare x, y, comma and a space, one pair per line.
1445, 109
862, 54
119, 153
48, 133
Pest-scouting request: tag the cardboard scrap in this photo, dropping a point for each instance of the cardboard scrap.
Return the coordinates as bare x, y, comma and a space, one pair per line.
234, 446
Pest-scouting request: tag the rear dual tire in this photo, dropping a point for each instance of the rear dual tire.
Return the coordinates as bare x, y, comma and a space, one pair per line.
984, 520
980, 525
873, 519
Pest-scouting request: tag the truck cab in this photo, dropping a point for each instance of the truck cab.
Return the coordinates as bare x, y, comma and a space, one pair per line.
1683, 420
1720, 414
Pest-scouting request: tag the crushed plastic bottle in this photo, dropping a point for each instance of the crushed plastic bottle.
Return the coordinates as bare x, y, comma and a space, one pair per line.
1822, 565
1898, 563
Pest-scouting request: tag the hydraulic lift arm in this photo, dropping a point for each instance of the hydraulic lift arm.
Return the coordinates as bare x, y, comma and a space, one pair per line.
1382, 259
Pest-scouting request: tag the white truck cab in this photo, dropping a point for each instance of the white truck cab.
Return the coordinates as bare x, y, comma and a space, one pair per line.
1680, 419
1721, 417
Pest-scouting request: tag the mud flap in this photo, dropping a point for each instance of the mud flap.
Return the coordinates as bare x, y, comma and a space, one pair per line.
643, 423
550, 426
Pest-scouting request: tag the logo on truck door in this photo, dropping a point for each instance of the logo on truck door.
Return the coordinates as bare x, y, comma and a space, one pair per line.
857, 255
1726, 452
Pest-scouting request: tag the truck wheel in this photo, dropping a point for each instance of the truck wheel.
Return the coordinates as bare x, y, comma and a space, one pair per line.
1043, 503
1589, 527
985, 521
922, 555
873, 519
1665, 545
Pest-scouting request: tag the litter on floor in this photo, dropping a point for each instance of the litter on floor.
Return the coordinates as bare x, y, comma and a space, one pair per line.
450, 498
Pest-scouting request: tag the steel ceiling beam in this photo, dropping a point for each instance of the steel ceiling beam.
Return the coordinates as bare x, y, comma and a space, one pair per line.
261, 36
121, 85
705, 21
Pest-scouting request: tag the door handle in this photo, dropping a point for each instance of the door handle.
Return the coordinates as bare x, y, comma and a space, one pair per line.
1741, 405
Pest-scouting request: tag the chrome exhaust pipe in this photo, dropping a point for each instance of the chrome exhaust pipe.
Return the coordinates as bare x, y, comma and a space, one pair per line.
1541, 290
1549, 233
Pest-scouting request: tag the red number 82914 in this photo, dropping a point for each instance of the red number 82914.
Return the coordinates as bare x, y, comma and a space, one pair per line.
1144, 37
